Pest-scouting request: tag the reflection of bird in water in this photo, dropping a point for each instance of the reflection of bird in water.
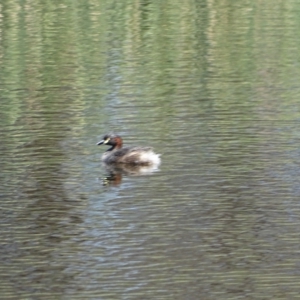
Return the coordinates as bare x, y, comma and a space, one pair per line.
127, 155
131, 161
116, 171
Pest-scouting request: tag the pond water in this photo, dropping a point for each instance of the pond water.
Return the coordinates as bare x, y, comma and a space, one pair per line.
213, 87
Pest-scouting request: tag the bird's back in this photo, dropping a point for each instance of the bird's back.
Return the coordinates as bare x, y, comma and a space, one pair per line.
132, 155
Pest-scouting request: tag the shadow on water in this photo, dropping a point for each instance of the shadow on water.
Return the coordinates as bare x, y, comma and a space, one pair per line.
44, 214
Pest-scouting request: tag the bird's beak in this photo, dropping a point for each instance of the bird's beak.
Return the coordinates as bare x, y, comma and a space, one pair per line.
103, 142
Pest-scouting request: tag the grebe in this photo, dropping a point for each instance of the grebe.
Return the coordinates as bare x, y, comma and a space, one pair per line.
127, 155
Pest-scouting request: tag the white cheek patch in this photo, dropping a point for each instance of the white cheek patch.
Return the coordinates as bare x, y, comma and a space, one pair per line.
106, 141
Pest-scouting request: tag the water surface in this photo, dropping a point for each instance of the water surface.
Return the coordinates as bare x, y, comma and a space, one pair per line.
213, 87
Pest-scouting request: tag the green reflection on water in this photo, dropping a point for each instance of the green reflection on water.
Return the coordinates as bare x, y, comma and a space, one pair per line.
212, 84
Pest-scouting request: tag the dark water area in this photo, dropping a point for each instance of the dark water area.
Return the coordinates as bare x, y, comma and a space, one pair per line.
213, 87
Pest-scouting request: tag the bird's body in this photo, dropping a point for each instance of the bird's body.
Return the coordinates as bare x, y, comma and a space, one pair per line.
127, 155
